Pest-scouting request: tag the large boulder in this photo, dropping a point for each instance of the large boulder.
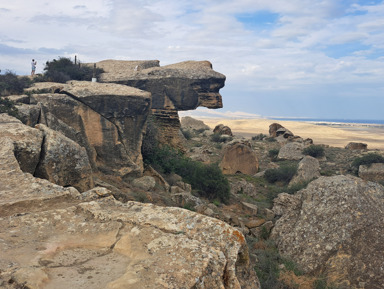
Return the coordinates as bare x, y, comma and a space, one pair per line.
239, 158
108, 120
307, 170
373, 172
356, 146
291, 151
222, 130
63, 161
334, 226
20, 192
27, 141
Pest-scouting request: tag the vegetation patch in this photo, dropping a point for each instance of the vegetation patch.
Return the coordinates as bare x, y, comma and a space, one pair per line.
283, 174
11, 84
64, 69
315, 151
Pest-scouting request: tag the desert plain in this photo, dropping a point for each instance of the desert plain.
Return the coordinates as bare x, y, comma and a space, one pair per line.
327, 133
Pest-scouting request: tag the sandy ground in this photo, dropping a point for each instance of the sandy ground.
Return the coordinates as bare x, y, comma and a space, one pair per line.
337, 135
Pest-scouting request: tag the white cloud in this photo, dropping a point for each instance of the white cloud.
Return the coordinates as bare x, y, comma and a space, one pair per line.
306, 42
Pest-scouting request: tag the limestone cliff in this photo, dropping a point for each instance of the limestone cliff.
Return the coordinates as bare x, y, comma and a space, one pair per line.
108, 120
181, 86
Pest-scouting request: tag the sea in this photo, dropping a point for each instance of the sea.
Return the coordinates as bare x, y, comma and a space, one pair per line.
320, 121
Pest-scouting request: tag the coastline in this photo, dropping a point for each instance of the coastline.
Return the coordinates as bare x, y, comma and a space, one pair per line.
335, 134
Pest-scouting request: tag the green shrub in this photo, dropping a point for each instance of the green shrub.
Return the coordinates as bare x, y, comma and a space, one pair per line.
10, 84
260, 136
283, 174
315, 151
220, 138
368, 160
7, 106
64, 69
271, 139
273, 153
207, 180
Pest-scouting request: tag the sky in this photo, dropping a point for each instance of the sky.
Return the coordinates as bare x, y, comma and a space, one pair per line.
282, 58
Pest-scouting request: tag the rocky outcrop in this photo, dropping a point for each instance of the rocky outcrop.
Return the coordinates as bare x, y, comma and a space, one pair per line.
222, 130
307, 170
239, 158
54, 237
190, 123
356, 146
334, 226
291, 151
181, 86
273, 129
373, 172
47, 154
63, 162
108, 120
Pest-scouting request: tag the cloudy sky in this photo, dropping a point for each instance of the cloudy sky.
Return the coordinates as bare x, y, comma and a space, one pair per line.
288, 58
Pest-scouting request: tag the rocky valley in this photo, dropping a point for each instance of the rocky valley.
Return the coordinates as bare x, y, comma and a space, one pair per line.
82, 207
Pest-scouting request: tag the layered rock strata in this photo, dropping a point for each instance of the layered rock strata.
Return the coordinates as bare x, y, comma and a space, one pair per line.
108, 120
181, 86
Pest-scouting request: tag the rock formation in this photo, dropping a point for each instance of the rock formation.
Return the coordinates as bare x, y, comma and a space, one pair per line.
334, 226
373, 172
307, 170
356, 146
291, 151
222, 130
47, 154
55, 237
190, 123
181, 86
239, 158
108, 120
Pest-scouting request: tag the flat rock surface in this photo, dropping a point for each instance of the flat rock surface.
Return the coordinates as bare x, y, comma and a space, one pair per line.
107, 244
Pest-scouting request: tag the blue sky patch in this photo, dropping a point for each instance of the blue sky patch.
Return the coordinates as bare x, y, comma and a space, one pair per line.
258, 20
346, 49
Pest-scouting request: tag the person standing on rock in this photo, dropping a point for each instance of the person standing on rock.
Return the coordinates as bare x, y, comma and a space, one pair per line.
33, 64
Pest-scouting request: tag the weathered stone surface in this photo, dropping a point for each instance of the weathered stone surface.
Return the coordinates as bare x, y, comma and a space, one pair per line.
190, 123
107, 244
239, 157
373, 172
160, 181
335, 226
250, 209
243, 187
222, 130
307, 170
356, 146
145, 183
273, 128
106, 119
63, 161
20, 192
291, 151
254, 223
181, 86
27, 141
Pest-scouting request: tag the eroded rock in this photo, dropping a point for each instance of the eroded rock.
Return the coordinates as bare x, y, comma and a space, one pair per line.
239, 157
335, 226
